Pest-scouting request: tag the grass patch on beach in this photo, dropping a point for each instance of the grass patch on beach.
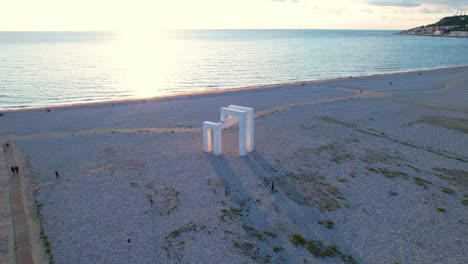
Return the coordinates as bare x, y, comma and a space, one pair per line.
277, 249
388, 173
320, 249
456, 177
252, 250
42, 234
167, 201
311, 189
297, 239
447, 190
330, 223
459, 124
421, 181
440, 209
174, 245
464, 202
252, 232
269, 233
230, 214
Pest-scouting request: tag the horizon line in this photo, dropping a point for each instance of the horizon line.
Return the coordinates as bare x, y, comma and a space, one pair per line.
199, 29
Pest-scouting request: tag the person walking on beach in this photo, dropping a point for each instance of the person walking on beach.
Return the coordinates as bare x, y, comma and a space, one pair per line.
273, 186
57, 175
16, 169
151, 202
12, 169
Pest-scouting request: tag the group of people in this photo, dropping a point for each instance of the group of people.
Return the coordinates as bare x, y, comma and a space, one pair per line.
14, 169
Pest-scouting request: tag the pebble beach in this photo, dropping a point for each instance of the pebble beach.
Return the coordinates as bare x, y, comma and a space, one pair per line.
369, 169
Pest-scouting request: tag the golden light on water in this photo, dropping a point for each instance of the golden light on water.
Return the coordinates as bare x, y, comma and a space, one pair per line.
146, 57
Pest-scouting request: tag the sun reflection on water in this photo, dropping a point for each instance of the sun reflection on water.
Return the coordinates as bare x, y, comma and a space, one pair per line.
146, 58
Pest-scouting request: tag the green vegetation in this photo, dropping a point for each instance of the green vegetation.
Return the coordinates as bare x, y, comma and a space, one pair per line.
252, 232
253, 251
460, 22
388, 173
311, 189
440, 209
268, 233
330, 223
464, 202
230, 214
297, 239
188, 227
277, 249
421, 181
447, 190
42, 234
319, 249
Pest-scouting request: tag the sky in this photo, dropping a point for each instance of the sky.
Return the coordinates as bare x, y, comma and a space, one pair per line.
141, 15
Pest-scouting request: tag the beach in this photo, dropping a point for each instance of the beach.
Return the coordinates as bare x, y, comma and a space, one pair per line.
369, 169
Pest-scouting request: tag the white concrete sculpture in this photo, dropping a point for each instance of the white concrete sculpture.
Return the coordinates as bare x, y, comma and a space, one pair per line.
239, 114
212, 137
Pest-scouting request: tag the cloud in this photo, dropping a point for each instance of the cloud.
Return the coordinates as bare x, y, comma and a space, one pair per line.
416, 3
402, 3
292, 1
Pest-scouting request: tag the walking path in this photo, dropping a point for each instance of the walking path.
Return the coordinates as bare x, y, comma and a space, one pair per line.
20, 225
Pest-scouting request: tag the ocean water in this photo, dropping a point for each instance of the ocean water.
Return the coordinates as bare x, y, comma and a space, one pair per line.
55, 68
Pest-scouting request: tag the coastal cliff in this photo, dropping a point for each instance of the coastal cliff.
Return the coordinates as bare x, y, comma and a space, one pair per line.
454, 26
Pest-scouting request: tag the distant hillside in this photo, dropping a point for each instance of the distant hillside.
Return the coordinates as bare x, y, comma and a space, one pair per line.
454, 26
461, 22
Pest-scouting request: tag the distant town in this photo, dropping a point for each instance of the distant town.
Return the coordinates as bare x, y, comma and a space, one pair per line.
454, 26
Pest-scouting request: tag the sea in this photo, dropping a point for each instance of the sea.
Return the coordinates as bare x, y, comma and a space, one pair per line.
58, 68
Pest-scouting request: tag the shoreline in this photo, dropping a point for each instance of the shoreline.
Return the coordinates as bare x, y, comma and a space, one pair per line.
429, 35
221, 91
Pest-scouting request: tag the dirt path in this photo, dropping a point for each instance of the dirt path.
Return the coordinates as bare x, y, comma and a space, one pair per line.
6, 218
264, 112
20, 222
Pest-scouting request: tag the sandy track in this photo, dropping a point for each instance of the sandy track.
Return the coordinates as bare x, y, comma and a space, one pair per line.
20, 222
259, 114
